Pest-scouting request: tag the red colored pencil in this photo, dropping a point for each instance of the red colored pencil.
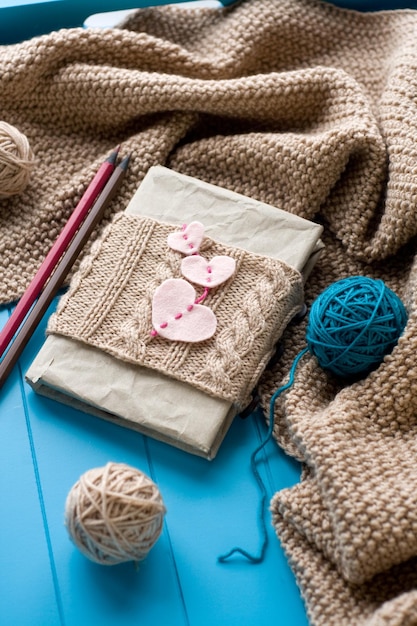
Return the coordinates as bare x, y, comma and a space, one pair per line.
55, 253
61, 271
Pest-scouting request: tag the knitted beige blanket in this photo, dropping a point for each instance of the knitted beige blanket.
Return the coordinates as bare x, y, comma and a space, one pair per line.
304, 106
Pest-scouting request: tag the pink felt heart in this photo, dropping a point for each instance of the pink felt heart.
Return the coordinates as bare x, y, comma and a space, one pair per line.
208, 273
188, 240
176, 316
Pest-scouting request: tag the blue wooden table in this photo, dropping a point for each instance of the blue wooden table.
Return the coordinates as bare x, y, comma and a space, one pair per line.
211, 506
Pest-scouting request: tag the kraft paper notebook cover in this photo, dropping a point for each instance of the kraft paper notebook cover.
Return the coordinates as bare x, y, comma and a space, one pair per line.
141, 397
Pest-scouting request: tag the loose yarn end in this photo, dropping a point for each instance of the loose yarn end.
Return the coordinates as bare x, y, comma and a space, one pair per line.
353, 325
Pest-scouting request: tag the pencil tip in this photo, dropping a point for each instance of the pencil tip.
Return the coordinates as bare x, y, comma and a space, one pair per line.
124, 163
113, 156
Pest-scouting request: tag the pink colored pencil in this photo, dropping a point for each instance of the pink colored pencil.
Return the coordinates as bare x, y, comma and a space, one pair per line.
51, 260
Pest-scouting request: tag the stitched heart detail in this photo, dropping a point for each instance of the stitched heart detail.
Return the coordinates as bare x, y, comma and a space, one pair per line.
208, 273
176, 316
188, 240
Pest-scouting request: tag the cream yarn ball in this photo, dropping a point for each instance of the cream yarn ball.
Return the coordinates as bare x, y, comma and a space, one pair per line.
114, 514
16, 160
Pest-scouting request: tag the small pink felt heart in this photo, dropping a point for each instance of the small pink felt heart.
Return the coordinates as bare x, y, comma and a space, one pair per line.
208, 273
188, 240
176, 316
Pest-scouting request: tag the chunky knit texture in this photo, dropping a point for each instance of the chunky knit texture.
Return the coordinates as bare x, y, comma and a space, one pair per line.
109, 306
307, 107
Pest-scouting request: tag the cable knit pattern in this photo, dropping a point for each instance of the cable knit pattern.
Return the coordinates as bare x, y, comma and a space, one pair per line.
109, 306
304, 106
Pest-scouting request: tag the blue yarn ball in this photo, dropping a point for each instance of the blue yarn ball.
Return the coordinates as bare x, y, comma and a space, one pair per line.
353, 324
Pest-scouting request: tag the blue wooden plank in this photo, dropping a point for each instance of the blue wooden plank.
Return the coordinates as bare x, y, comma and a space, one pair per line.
24, 545
65, 444
68, 443
212, 507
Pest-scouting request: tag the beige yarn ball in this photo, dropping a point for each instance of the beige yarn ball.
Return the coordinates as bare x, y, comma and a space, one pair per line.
114, 514
16, 160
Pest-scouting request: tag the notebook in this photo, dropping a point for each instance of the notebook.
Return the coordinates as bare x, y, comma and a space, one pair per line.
153, 402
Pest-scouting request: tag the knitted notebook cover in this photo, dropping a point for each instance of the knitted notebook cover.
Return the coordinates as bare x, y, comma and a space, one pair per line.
106, 315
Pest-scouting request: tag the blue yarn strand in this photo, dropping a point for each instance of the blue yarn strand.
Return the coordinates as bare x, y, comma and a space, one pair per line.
255, 471
352, 325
